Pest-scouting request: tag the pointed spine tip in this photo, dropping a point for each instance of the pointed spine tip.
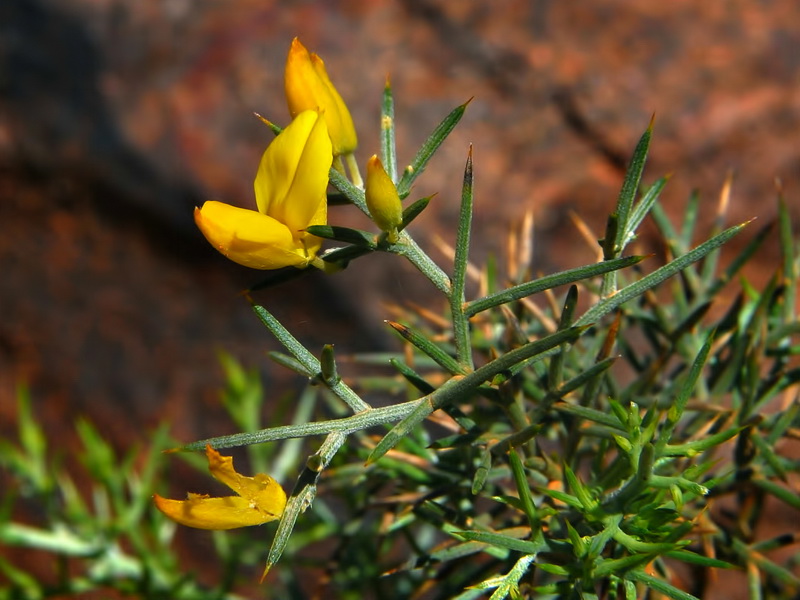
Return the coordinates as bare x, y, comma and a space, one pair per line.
397, 326
265, 573
263, 119
275, 128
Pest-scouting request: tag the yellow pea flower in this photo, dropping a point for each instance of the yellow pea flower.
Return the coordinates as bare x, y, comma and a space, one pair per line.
290, 191
260, 499
308, 87
382, 199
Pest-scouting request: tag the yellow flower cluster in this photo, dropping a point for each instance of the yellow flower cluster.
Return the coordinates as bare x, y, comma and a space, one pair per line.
292, 177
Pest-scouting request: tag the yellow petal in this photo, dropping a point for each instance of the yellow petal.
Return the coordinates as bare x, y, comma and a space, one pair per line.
260, 499
250, 238
292, 177
201, 512
308, 87
382, 198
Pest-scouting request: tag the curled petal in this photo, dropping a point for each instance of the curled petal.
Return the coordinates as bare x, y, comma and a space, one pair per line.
249, 237
261, 499
308, 87
203, 512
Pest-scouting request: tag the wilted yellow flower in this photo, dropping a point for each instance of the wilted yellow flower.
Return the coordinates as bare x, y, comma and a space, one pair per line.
290, 188
382, 199
260, 499
308, 87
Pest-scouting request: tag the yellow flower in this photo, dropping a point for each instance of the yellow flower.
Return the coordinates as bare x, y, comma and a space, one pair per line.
290, 191
382, 199
308, 87
260, 499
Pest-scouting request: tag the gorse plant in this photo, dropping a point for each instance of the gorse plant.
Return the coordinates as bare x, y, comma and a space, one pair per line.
624, 439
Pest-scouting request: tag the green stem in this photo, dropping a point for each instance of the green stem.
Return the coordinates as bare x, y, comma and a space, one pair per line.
460, 387
408, 248
303, 495
308, 360
363, 420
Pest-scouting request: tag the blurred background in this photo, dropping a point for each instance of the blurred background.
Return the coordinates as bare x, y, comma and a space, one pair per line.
117, 117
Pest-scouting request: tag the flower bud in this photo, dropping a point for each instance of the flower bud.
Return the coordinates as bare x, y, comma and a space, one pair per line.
308, 87
382, 199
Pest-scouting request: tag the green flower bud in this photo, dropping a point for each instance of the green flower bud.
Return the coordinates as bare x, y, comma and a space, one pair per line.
382, 199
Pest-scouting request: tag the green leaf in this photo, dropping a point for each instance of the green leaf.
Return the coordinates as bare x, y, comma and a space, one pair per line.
549, 282
658, 276
642, 209
781, 493
698, 559
690, 219
412, 376
502, 541
555, 373
658, 585
291, 363
429, 348
735, 265
614, 566
428, 149
590, 414
460, 321
768, 454
676, 410
524, 491
764, 564
343, 256
567, 499
630, 187
580, 491
343, 234
695, 447
59, 540
388, 153
412, 211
